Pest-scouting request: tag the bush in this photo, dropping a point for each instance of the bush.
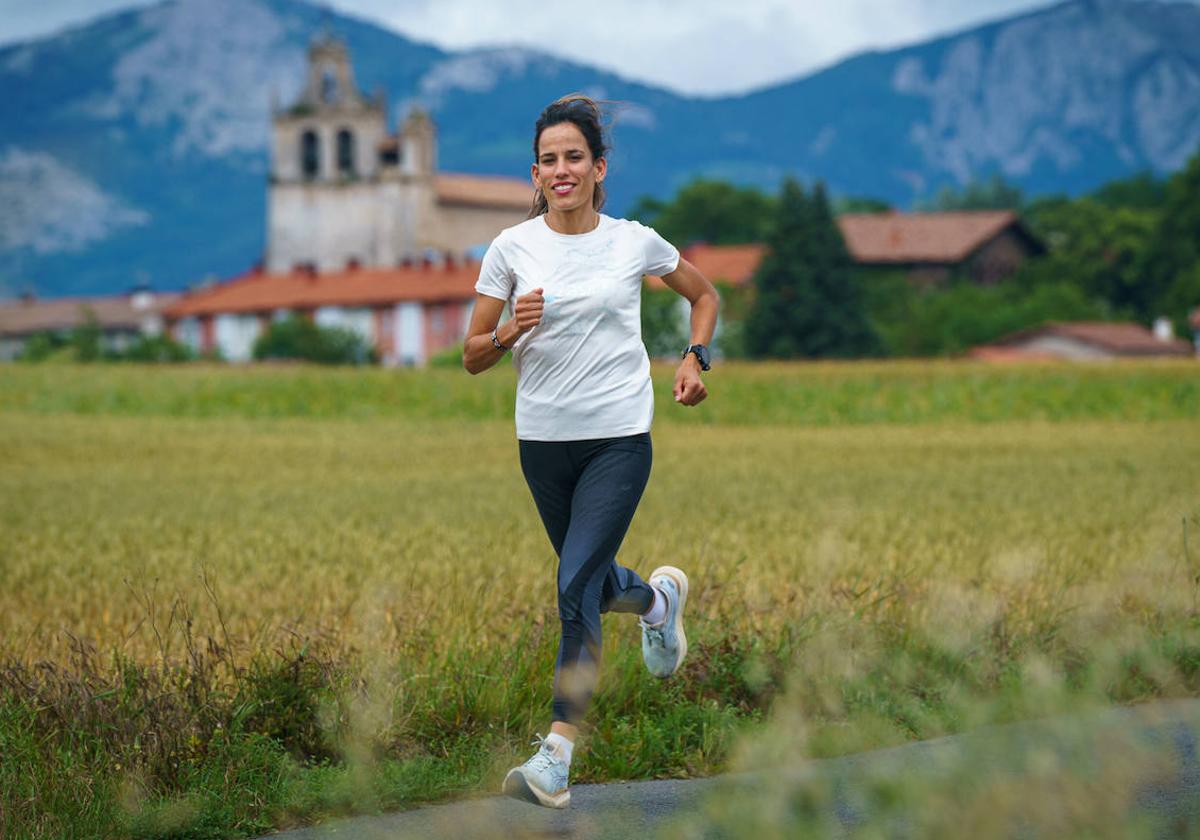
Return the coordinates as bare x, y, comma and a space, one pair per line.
42, 346
300, 338
450, 357
86, 338
156, 348
664, 330
942, 322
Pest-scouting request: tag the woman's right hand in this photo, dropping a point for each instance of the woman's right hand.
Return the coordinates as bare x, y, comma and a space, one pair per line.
528, 311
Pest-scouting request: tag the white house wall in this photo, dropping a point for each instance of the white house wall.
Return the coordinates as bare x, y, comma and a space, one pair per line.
1064, 348
360, 321
187, 333
410, 334
326, 225
235, 335
10, 348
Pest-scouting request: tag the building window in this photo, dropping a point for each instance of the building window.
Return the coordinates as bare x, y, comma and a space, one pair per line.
329, 87
345, 152
310, 154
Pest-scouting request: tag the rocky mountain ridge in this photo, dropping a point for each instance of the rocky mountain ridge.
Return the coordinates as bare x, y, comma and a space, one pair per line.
138, 152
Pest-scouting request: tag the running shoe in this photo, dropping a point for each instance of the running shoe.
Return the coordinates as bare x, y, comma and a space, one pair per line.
541, 780
665, 645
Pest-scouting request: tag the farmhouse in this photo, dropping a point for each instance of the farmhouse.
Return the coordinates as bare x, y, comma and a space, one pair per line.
984, 245
121, 319
1084, 340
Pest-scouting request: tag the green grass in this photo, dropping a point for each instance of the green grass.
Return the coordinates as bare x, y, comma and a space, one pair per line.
244, 598
742, 394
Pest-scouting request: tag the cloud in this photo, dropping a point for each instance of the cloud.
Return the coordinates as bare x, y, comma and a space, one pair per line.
701, 47
25, 19
697, 47
48, 207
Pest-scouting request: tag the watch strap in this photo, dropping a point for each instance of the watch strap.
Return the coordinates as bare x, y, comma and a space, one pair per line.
701, 355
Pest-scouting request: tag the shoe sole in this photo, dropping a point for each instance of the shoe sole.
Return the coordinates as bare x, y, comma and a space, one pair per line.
681, 586
516, 786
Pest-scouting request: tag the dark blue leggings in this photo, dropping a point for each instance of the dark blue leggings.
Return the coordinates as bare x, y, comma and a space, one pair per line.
586, 492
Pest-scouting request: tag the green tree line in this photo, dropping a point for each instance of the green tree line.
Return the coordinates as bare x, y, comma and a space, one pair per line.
1129, 250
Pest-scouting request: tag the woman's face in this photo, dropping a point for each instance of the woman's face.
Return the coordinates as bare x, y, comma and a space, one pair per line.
565, 170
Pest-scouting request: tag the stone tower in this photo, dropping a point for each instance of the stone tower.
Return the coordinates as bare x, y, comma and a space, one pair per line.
342, 189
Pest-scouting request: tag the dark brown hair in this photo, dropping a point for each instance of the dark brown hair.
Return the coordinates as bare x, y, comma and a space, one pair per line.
584, 113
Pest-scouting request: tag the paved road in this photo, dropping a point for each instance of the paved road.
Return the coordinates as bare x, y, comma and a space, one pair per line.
1170, 796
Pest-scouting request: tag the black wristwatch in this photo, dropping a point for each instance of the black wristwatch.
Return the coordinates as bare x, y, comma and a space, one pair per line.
701, 355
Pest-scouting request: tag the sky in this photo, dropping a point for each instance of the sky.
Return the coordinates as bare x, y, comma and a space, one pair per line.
705, 47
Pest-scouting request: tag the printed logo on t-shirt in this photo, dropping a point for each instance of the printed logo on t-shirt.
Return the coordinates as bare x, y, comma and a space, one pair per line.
580, 291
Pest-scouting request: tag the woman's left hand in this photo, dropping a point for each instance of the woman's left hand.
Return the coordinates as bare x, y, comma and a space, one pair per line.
689, 390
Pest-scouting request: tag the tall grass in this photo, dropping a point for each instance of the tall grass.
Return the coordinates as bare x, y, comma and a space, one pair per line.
220, 617
742, 393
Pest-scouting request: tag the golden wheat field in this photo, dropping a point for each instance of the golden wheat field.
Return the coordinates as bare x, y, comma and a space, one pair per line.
379, 531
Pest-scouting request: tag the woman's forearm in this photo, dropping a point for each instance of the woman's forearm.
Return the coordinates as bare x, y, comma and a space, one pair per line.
704, 318
479, 353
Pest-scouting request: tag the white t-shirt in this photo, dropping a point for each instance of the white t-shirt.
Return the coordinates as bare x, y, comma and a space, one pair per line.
582, 373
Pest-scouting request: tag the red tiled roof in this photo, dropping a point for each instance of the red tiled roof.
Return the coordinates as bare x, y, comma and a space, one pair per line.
258, 292
117, 312
920, 237
1119, 338
484, 191
991, 353
734, 264
870, 238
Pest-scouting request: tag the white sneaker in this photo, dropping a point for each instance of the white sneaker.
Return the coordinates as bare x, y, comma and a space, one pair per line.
541, 780
664, 646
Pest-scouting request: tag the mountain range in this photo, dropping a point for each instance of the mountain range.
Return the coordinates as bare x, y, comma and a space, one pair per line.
134, 148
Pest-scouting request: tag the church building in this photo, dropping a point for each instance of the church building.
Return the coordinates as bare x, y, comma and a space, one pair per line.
363, 231
344, 191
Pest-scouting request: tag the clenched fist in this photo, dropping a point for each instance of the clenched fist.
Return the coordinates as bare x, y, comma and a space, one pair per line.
528, 311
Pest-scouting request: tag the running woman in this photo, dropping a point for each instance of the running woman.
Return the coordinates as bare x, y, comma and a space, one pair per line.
573, 279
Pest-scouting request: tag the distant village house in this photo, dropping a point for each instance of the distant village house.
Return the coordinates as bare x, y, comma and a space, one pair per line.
121, 320
1085, 341
407, 314
983, 245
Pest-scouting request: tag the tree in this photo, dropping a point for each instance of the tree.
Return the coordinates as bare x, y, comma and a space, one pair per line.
860, 204
1173, 256
807, 301
992, 194
1097, 248
86, 337
940, 322
664, 328
709, 211
1143, 190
